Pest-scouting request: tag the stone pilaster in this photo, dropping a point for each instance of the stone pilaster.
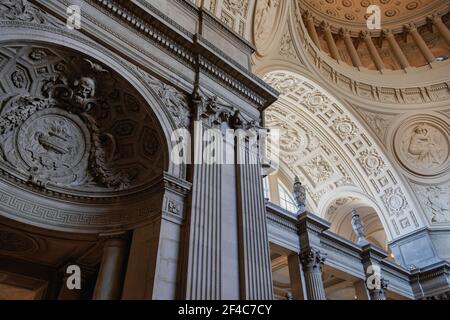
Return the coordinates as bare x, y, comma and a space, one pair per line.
153, 263
365, 35
255, 266
226, 254
111, 274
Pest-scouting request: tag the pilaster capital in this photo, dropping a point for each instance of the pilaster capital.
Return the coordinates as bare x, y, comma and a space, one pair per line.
113, 239
365, 35
312, 259
325, 26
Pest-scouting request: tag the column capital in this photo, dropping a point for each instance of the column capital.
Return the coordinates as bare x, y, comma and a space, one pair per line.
365, 35
409, 27
387, 33
325, 26
434, 17
308, 15
312, 259
344, 32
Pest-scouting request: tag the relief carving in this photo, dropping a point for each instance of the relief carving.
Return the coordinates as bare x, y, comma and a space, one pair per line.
175, 101
435, 200
423, 147
72, 133
21, 10
237, 7
265, 14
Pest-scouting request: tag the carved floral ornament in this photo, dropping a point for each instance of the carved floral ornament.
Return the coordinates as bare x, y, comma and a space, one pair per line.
69, 122
341, 154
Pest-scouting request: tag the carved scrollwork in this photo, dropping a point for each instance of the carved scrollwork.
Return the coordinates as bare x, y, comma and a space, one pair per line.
21, 10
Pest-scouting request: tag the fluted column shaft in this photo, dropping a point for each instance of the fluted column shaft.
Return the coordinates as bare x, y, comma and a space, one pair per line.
111, 273
398, 53
420, 43
372, 51
441, 27
330, 41
312, 261
351, 48
309, 21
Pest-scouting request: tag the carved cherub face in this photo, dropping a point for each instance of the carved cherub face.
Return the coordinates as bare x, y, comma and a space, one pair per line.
85, 88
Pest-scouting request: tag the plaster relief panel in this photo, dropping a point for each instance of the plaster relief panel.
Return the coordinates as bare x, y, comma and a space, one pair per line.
266, 16
422, 146
435, 200
71, 123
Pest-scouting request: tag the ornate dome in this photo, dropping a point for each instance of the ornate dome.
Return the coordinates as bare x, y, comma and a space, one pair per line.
354, 12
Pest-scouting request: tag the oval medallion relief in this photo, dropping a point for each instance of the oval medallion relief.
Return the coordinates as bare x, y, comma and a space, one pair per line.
422, 146
54, 142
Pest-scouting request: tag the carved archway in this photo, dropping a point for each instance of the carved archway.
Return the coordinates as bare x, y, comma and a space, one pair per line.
324, 144
81, 149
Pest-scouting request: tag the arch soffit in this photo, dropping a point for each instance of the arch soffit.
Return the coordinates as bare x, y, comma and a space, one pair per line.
374, 172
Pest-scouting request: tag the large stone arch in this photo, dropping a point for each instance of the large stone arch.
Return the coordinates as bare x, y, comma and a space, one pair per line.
344, 151
336, 208
39, 201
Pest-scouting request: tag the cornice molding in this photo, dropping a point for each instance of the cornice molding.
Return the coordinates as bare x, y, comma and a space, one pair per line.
192, 49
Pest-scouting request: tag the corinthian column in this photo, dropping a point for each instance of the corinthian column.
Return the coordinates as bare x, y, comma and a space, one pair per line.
420, 43
330, 41
441, 27
351, 48
312, 261
372, 50
111, 274
398, 53
309, 21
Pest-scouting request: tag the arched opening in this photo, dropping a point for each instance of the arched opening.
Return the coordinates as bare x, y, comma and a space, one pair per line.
82, 155
325, 145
